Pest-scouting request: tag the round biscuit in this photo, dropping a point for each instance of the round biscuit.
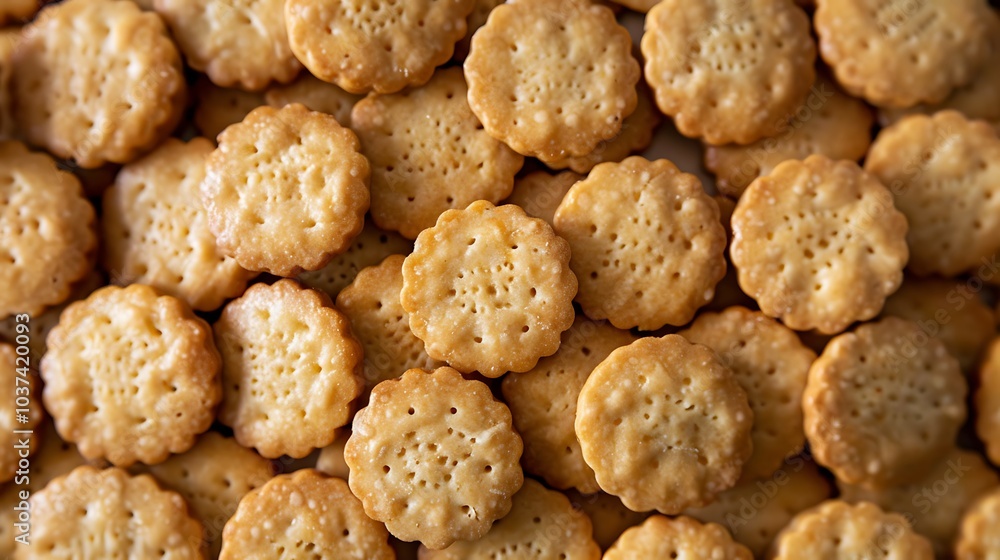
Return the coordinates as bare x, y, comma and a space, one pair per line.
369, 248
316, 95
987, 402
539, 193
979, 537
15, 373
216, 108
608, 515
678, 537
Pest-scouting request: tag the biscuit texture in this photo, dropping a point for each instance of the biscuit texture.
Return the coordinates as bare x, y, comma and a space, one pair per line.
608, 515
16, 371
131, 375
8, 42
539, 193
489, 289
316, 95
291, 368
679, 537
818, 244
434, 457
480, 12
331, 458
216, 107
987, 402
14, 10
97, 81
286, 190
980, 531
369, 248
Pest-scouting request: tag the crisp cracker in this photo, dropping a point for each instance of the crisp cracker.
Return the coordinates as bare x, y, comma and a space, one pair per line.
979, 538
539, 193
678, 537
8, 42
331, 458
608, 515
16, 373
987, 402
369, 248
316, 95
480, 12
216, 108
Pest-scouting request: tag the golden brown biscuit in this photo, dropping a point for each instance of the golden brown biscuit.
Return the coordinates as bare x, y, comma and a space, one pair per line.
14, 10
19, 409
679, 537
216, 108
480, 11
987, 402
607, 514
316, 95
8, 42
980, 531
540, 192
369, 248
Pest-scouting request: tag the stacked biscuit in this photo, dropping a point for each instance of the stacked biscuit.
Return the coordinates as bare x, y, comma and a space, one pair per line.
346, 279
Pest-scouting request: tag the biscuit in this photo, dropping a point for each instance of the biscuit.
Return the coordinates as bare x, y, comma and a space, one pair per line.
291, 368
727, 291
539, 82
8, 42
944, 171
97, 81
316, 95
836, 529
213, 476
771, 364
285, 190
543, 404
829, 122
156, 230
48, 231
130, 516
664, 424
754, 511
987, 402
818, 244
882, 402
881, 50
480, 12
728, 71
236, 43
949, 311
303, 515
539, 193
648, 246
16, 373
541, 524
131, 375
429, 154
369, 248
371, 304
365, 47
489, 289
979, 537
935, 503
434, 457
14, 10
331, 458
679, 537
216, 108
608, 515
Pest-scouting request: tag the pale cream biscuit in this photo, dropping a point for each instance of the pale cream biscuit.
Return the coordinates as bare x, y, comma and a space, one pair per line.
898, 53
237, 43
648, 245
543, 403
754, 511
14, 10
131, 375
156, 230
291, 368
109, 513
541, 524
216, 108
818, 244
540, 192
489, 289
47, 227
979, 538
286, 190
316, 95
365, 47
944, 171
664, 424
429, 154
369, 248
303, 516
480, 11
434, 457
8, 41
97, 81
679, 537
18, 409
771, 364
541, 83
836, 530
987, 402
331, 458
731, 70
882, 402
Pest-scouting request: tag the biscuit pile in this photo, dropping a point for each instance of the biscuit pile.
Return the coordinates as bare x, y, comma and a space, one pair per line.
379, 279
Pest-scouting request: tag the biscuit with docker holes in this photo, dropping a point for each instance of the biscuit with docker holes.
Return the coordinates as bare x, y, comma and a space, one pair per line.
608, 515
365, 47
543, 403
236, 43
14, 10
216, 108
8, 42
130, 516
290, 371
369, 248
771, 364
47, 228
539, 81
818, 244
678, 537
303, 515
156, 230
18, 411
542, 523
489, 289
933, 512
879, 50
434, 456
987, 402
664, 424
480, 12
539, 193
755, 511
331, 458
944, 171
829, 122
286, 190
882, 402
429, 154
730, 70
131, 375
979, 536
648, 247
97, 81
316, 95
